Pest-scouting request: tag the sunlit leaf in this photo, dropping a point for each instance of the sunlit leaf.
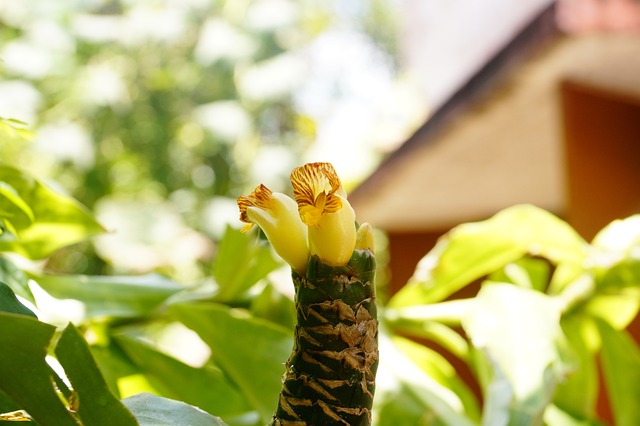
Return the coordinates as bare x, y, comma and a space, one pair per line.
554, 416
473, 250
407, 395
25, 377
431, 322
251, 351
275, 307
519, 331
205, 388
95, 404
16, 279
116, 296
578, 393
240, 263
151, 410
621, 367
526, 272
10, 129
438, 368
58, 220
13, 207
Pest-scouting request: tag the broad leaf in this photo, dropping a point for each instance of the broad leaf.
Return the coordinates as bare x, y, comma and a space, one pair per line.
115, 296
251, 351
96, 405
275, 307
16, 279
431, 322
240, 263
151, 410
407, 395
519, 331
13, 208
621, 367
205, 388
473, 250
57, 220
10, 303
25, 377
578, 393
554, 416
438, 368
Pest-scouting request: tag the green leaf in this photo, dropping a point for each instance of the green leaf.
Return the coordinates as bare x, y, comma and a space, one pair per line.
205, 388
113, 296
428, 322
11, 129
554, 416
13, 207
438, 368
10, 303
251, 351
26, 377
526, 272
578, 393
621, 368
96, 405
407, 395
152, 410
519, 331
114, 364
473, 250
275, 307
240, 263
16, 279
58, 220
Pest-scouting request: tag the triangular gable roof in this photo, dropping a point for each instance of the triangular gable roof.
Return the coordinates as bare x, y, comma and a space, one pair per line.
493, 145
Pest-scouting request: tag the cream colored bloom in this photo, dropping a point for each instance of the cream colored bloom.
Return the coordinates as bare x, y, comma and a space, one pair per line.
277, 216
323, 207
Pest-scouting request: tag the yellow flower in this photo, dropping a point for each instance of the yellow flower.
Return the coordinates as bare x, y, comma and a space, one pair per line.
323, 207
277, 216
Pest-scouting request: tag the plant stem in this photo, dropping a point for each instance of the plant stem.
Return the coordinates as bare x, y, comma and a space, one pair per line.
330, 376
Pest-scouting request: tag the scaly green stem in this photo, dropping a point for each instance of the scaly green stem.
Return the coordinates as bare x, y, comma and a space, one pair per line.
330, 376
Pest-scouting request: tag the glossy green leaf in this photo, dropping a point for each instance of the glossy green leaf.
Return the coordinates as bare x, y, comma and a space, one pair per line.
25, 377
526, 272
115, 296
114, 365
151, 410
240, 263
432, 322
205, 388
58, 220
407, 395
438, 368
11, 129
10, 303
554, 416
13, 208
274, 306
519, 331
621, 368
16, 279
623, 274
473, 250
578, 393
250, 351
96, 405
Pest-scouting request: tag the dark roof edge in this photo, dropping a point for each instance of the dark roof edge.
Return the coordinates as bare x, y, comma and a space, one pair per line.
540, 29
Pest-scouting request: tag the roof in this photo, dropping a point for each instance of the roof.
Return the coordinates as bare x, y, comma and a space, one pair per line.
497, 141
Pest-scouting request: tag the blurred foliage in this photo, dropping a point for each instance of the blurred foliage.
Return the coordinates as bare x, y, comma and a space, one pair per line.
137, 102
